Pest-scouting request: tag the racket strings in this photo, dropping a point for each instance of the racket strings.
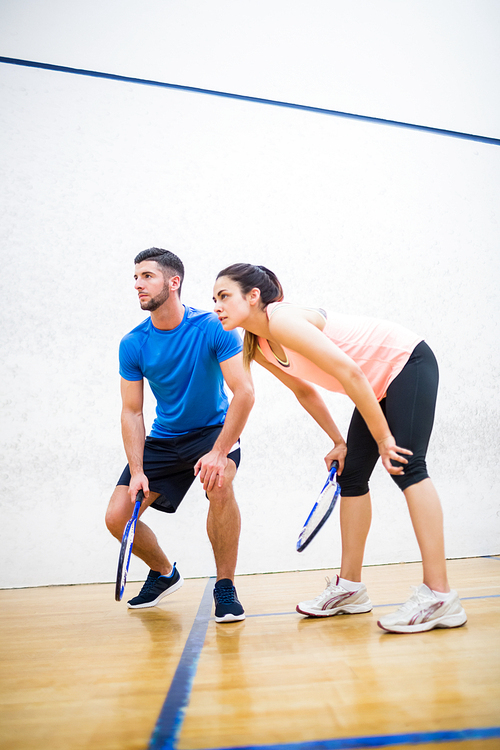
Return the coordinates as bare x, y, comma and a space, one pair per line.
319, 512
322, 509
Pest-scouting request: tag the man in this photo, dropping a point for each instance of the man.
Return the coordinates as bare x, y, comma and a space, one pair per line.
185, 355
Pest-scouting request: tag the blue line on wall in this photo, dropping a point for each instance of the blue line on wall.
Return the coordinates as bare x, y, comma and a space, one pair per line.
254, 99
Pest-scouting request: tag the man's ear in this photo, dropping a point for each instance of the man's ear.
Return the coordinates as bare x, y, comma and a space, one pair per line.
174, 283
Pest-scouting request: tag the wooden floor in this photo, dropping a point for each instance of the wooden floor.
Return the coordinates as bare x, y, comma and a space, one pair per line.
81, 671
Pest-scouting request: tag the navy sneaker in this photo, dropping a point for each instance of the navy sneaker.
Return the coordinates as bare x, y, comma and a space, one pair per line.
227, 605
155, 588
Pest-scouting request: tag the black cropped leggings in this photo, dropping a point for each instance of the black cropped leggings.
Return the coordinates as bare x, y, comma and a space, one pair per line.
409, 407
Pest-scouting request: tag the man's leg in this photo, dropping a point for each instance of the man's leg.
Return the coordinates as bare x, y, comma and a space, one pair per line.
146, 545
163, 578
223, 525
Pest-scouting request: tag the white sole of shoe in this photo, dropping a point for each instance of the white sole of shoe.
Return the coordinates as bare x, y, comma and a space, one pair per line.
450, 621
348, 609
230, 618
158, 599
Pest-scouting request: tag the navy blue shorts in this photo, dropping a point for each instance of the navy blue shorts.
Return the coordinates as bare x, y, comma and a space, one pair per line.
409, 407
169, 464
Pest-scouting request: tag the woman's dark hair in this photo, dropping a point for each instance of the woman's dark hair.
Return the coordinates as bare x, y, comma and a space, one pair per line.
250, 277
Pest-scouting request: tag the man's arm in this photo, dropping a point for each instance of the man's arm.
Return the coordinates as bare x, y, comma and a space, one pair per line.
134, 433
211, 466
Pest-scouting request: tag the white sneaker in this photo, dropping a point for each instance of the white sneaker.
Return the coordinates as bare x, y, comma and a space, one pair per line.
425, 610
336, 600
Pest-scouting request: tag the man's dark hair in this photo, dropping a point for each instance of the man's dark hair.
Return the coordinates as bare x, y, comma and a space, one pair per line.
167, 260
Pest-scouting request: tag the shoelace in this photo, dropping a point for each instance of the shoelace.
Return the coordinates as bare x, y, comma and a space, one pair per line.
330, 588
224, 594
149, 584
418, 597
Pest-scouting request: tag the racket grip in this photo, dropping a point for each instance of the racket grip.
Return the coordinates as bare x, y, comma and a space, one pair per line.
139, 496
333, 470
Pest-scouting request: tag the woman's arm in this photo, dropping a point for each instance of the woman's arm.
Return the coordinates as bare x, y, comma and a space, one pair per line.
311, 401
289, 327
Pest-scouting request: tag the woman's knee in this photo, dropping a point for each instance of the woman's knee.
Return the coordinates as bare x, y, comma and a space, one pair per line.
415, 472
353, 484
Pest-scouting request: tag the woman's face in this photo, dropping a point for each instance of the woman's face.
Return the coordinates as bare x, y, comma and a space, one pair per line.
231, 306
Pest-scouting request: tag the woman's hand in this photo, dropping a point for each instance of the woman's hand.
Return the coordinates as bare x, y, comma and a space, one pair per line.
389, 452
337, 454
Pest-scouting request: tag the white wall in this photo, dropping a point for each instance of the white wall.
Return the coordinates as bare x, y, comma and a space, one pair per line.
368, 218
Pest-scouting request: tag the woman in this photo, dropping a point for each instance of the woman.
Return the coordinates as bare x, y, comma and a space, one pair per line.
391, 376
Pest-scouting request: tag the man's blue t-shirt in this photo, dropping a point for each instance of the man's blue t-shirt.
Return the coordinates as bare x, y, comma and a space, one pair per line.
182, 367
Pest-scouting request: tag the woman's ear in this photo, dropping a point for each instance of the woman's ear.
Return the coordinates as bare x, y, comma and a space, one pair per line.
254, 296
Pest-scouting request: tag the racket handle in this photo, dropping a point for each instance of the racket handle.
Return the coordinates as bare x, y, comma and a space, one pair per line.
333, 470
139, 496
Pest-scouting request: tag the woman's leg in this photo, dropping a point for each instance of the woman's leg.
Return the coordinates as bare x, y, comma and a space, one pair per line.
410, 404
349, 595
410, 407
427, 519
355, 521
355, 506
432, 605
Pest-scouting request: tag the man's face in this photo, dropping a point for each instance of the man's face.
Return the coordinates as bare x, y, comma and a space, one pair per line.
152, 288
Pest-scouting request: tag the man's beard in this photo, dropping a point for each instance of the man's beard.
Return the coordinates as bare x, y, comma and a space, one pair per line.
155, 302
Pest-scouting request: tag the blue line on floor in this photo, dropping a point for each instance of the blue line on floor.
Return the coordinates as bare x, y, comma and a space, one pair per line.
397, 604
414, 738
171, 718
462, 599
169, 722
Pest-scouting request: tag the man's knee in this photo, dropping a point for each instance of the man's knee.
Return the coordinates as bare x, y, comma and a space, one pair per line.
220, 496
121, 507
116, 512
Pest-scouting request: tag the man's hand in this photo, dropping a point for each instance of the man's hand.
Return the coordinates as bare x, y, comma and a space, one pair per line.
211, 468
138, 482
